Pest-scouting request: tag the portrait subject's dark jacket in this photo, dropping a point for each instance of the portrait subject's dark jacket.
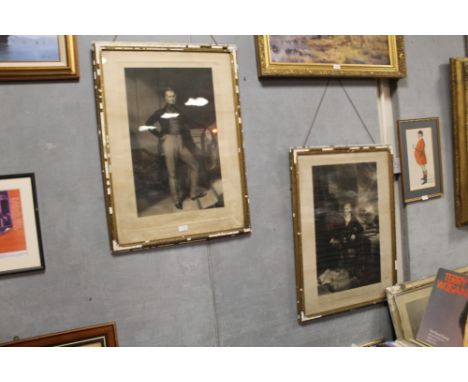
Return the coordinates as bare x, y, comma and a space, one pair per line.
157, 116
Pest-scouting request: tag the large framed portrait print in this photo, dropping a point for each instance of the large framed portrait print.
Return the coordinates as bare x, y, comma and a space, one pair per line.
343, 216
171, 143
20, 234
459, 77
420, 154
330, 56
38, 57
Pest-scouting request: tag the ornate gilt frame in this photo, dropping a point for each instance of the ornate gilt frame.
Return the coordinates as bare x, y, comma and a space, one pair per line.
411, 289
101, 107
459, 84
67, 67
396, 69
294, 155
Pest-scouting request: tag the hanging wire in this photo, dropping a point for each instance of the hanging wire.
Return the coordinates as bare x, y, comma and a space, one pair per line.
357, 112
214, 40
316, 112
115, 37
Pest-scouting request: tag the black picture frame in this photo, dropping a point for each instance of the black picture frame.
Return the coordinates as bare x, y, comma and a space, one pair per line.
30, 256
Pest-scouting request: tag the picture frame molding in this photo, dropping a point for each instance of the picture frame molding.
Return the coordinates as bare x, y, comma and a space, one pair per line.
69, 71
396, 69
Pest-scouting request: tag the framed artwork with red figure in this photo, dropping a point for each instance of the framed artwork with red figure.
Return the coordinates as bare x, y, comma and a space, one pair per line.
420, 156
20, 238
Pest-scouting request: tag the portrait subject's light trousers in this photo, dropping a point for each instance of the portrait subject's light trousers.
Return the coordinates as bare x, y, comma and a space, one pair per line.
174, 149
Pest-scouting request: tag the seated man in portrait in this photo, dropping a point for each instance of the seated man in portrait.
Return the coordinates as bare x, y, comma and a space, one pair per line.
347, 237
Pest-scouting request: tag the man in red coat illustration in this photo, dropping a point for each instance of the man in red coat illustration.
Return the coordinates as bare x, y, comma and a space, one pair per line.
420, 155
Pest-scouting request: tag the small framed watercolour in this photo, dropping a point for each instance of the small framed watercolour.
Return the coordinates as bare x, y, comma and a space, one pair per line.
420, 157
20, 235
459, 76
171, 143
330, 56
407, 303
344, 229
38, 57
103, 335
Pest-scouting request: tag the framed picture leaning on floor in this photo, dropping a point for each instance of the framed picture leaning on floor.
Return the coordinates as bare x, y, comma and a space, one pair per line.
102, 335
344, 233
171, 143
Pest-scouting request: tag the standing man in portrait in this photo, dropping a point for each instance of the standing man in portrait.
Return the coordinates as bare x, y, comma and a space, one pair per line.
177, 146
420, 155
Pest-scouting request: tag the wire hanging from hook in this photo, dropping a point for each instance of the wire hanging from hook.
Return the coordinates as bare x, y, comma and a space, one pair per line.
357, 112
316, 112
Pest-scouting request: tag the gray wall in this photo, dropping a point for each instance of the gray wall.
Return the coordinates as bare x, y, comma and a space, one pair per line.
235, 292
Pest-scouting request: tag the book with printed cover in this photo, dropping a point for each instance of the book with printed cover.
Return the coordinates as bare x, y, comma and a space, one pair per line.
445, 320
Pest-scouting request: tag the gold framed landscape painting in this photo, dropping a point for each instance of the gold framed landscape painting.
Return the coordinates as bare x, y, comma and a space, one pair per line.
459, 82
344, 230
421, 159
331, 56
407, 303
171, 143
102, 335
38, 57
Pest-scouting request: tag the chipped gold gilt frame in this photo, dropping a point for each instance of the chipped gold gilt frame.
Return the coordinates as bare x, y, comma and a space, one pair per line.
66, 68
309, 305
459, 81
267, 68
182, 226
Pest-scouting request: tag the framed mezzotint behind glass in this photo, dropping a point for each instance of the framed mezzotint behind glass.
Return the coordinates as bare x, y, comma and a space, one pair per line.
407, 303
171, 143
38, 57
420, 156
331, 56
344, 233
459, 82
102, 335
20, 234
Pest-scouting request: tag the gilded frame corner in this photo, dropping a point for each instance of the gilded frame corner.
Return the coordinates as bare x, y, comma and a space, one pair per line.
396, 68
294, 154
103, 131
69, 68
